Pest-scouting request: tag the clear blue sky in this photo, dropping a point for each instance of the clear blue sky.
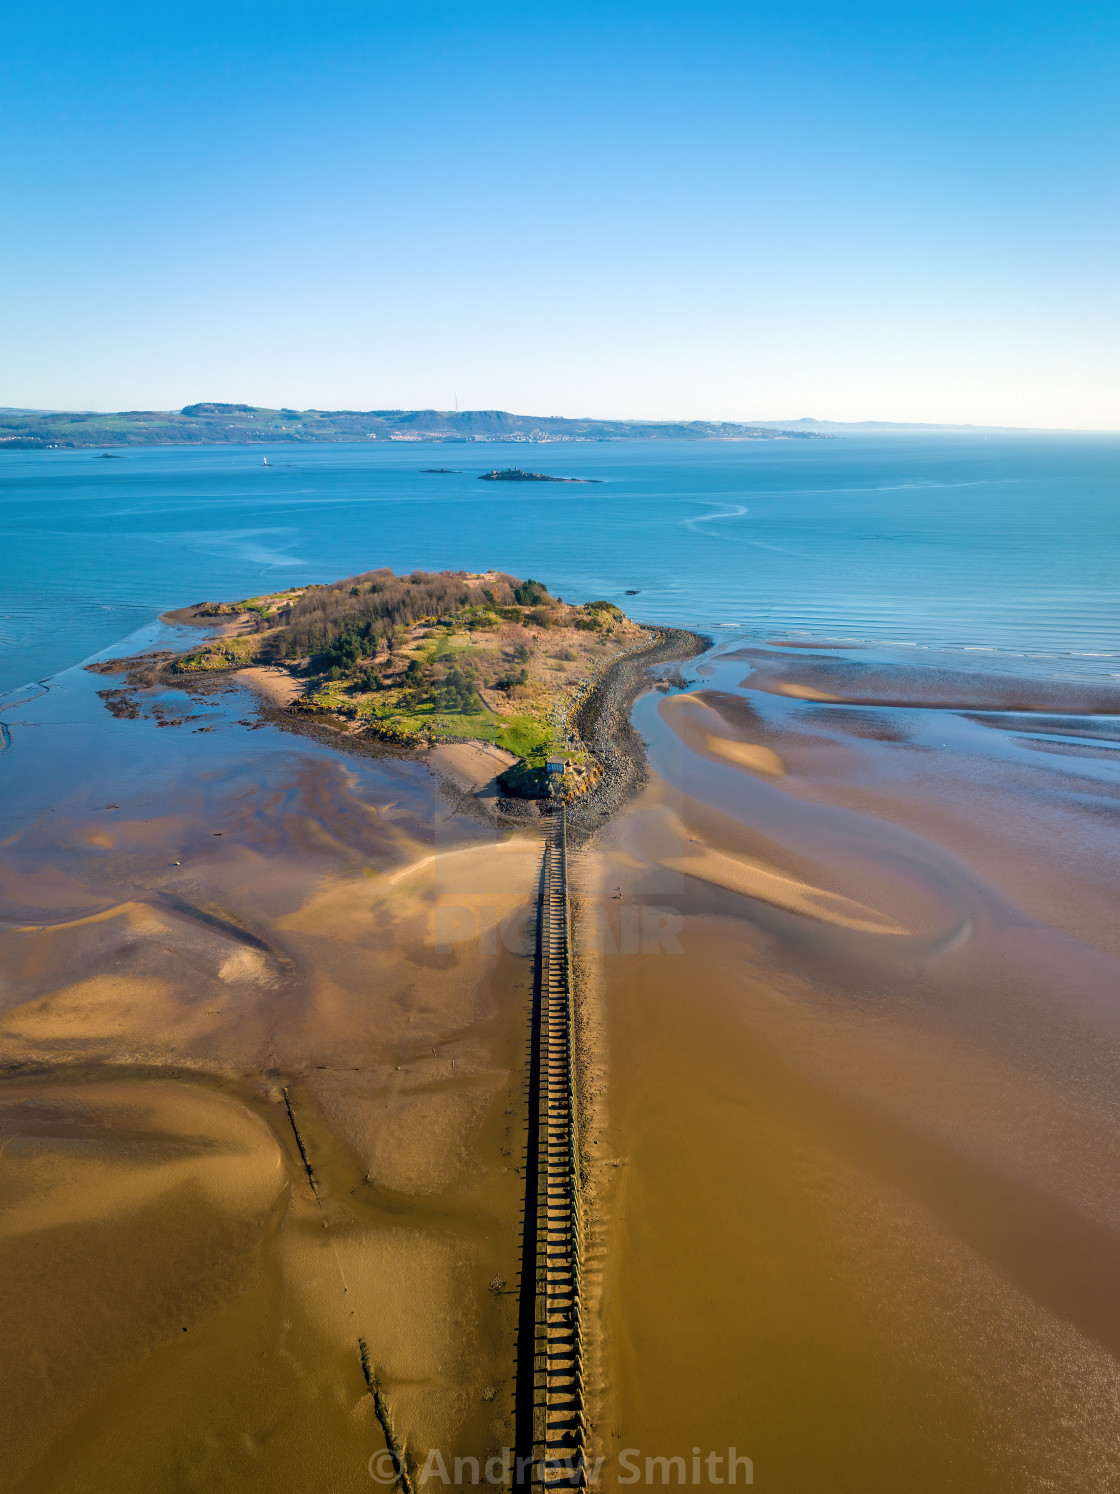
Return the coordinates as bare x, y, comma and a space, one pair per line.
888, 211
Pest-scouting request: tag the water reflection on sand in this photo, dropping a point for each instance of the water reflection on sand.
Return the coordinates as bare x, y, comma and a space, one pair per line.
199, 932
849, 974
857, 1130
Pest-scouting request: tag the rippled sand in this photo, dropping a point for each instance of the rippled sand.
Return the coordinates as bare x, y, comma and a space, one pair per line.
858, 1117
186, 1306
850, 1025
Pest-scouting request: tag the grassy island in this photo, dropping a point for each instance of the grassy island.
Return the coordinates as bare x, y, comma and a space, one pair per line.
429, 658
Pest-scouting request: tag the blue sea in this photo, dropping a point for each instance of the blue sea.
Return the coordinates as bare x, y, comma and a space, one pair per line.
999, 550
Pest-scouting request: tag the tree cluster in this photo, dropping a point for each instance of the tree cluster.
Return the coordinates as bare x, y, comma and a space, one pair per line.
340, 624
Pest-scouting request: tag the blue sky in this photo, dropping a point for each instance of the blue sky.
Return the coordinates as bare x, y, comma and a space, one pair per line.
903, 212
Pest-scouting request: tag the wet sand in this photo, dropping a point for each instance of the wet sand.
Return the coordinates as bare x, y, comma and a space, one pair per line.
277, 686
186, 1302
849, 1029
859, 1120
835, 677
470, 767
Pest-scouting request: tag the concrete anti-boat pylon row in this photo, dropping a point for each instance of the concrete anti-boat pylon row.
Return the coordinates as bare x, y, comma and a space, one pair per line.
558, 1407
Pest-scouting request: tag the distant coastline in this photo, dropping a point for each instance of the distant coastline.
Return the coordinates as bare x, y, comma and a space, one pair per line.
238, 424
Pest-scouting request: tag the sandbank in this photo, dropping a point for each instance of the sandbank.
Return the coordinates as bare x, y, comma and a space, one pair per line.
863, 1174
470, 766
162, 1011
831, 678
275, 684
692, 718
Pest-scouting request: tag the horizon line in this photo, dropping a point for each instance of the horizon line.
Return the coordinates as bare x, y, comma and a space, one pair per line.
776, 424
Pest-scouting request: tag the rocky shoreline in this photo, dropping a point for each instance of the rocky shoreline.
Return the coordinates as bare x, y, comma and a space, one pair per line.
602, 719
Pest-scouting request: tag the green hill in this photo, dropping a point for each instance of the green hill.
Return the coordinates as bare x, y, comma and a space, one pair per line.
211, 422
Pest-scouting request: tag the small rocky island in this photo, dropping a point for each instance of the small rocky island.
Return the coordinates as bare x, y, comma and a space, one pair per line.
515, 474
432, 663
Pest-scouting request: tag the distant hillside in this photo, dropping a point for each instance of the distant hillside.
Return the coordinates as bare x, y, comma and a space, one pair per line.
30, 430
889, 427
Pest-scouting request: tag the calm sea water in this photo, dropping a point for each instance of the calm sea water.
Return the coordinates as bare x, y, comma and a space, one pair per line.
1002, 550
